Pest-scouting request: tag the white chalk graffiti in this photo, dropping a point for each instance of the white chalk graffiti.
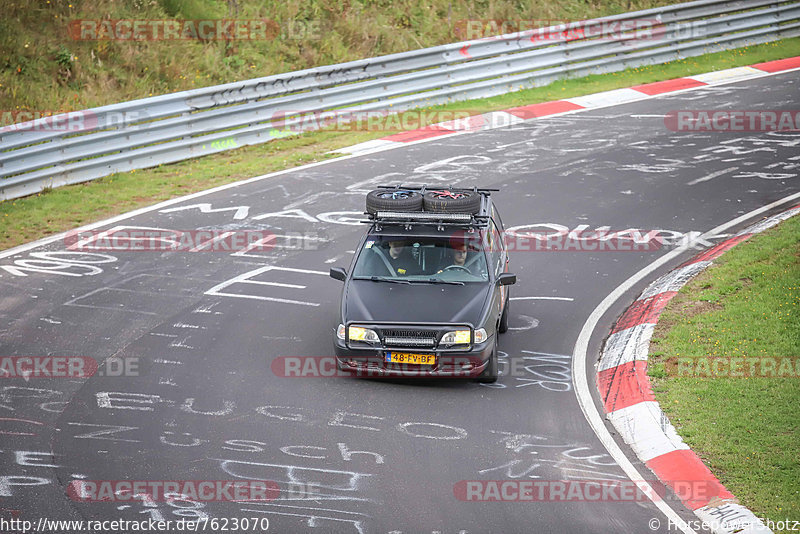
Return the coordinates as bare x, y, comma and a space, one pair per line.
249, 279
64, 263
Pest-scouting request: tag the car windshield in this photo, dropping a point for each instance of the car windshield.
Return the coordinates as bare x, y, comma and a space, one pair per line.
433, 259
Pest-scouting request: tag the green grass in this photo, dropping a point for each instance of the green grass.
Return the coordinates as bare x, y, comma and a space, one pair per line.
23, 220
745, 429
43, 68
28, 218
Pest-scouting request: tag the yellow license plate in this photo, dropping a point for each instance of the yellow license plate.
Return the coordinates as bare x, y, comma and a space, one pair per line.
415, 359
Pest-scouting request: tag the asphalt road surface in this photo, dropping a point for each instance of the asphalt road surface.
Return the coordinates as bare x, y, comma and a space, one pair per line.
362, 455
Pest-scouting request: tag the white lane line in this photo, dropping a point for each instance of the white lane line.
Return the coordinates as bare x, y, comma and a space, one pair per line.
581, 353
712, 176
156, 207
147, 209
366, 146
258, 297
208, 243
120, 307
246, 278
568, 299
276, 284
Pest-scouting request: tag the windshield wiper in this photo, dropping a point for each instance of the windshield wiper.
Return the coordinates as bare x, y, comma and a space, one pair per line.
385, 279
404, 281
440, 281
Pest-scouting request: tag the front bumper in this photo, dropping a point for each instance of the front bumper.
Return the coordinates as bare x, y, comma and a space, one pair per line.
370, 361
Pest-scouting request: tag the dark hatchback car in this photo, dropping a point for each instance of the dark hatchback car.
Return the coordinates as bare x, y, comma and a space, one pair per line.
426, 292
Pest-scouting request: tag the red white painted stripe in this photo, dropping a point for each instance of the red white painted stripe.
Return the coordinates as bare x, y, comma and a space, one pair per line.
676, 467
727, 75
646, 429
433, 130
621, 385
627, 346
499, 119
644, 310
607, 98
544, 109
631, 407
779, 65
667, 86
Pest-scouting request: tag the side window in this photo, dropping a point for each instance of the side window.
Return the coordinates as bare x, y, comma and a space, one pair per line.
497, 255
496, 218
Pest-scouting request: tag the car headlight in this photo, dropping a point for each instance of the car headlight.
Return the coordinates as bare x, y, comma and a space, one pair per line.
456, 337
480, 335
359, 333
340, 332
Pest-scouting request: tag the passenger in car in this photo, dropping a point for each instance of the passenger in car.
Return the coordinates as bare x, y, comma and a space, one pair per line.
401, 260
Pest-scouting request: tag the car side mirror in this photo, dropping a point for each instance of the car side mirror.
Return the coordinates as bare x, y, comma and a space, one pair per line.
338, 273
505, 279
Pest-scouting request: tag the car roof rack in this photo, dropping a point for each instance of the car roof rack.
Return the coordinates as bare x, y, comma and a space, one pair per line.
434, 218
426, 187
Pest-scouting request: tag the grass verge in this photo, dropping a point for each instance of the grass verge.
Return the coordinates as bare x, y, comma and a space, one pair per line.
26, 219
746, 429
46, 65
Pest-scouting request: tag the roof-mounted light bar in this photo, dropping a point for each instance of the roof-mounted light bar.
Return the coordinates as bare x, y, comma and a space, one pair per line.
425, 216
425, 187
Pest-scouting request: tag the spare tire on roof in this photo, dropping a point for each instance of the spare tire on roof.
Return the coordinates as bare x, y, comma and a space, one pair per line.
444, 200
393, 200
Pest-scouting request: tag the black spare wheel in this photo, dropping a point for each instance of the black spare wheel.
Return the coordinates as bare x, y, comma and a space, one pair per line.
393, 200
452, 201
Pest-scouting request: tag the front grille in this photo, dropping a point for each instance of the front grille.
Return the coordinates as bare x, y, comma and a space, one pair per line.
409, 341
393, 332
409, 338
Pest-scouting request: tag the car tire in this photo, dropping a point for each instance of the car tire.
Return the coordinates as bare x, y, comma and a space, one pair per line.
503, 327
393, 200
489, 375
439, 201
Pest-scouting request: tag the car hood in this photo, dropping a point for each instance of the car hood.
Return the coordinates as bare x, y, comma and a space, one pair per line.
415, 303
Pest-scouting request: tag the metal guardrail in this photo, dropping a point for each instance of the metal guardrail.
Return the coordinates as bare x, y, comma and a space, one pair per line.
174, 127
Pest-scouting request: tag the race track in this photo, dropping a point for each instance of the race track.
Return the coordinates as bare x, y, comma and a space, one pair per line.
384, 455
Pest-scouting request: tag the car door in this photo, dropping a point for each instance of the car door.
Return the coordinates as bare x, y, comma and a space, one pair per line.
500, 253
497, 264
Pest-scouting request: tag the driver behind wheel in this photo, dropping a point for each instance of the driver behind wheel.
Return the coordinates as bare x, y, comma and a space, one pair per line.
459, 257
